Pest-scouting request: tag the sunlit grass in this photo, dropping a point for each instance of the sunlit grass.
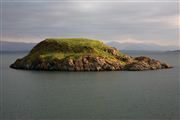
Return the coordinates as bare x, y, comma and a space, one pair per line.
62, 48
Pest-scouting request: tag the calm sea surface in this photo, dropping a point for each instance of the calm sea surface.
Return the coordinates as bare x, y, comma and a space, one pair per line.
90, 95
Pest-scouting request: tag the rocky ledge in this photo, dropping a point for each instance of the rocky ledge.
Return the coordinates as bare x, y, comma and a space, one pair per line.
83, 55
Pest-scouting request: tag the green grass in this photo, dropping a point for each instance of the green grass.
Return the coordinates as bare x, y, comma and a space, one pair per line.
65, 45
61, 48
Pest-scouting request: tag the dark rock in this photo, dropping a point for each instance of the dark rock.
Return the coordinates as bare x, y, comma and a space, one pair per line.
137, 66
112, 51
79, 65
165, 65
124, 58
143, 58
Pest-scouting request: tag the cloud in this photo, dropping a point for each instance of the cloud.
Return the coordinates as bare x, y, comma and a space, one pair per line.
145, 22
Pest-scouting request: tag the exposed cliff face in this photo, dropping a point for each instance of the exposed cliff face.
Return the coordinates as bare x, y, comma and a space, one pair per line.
82, 55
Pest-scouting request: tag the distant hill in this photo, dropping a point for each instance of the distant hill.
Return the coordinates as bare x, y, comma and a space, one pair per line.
142, 46
16, 46
20, 46
174, 51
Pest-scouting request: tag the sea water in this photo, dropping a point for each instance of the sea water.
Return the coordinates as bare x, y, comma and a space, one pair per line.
90, 95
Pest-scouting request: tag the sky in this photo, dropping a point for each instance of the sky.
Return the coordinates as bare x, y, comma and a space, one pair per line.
134, 21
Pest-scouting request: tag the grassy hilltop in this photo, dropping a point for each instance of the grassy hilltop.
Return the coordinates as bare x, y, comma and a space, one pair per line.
81, 54
62, 48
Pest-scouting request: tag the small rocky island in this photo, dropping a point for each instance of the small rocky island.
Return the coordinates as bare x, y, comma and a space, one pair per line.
80, 54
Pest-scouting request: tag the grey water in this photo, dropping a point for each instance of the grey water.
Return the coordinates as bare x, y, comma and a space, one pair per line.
90, 95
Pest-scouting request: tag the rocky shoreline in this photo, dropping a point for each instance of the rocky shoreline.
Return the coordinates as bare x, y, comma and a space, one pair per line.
89, 63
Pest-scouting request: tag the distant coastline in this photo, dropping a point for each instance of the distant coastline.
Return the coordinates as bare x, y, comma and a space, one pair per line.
7, 46
173, 51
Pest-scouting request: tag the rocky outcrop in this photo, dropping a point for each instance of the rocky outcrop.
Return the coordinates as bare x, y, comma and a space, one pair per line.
145, 63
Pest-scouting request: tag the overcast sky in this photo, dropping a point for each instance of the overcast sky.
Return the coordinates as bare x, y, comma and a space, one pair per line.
147, 22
